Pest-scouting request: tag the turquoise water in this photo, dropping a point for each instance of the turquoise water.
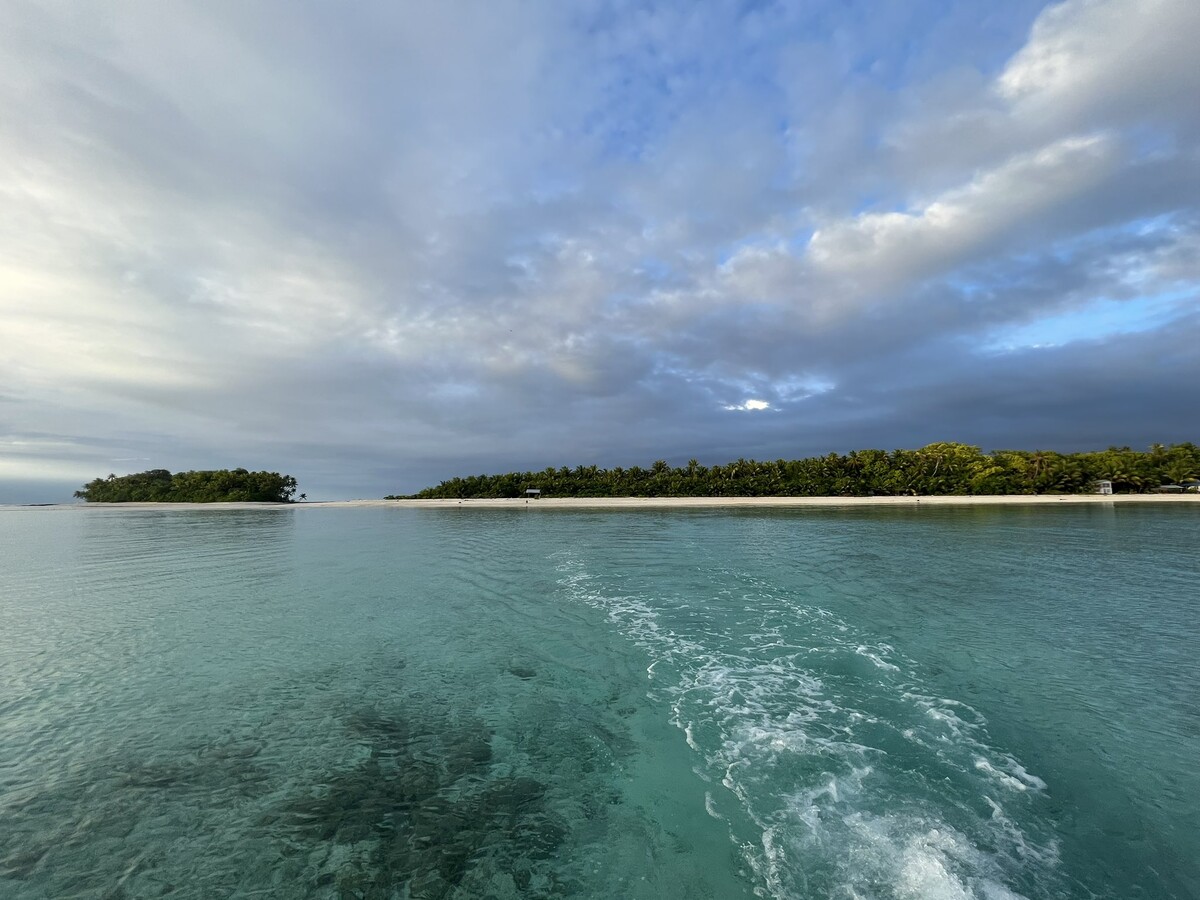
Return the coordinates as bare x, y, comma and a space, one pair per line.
378, 702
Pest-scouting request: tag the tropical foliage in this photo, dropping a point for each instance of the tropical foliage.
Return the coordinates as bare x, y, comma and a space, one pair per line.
160, 486
941, 468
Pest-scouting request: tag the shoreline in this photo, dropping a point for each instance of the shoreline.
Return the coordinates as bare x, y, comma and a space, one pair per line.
775, 502
624, 503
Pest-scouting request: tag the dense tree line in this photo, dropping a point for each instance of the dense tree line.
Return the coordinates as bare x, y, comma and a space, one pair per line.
942, 468
220, 486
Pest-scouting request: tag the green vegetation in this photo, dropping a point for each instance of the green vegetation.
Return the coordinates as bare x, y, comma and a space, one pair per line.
942, 468
160, 486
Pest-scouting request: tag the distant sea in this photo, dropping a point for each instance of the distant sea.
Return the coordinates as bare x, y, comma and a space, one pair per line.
939, 703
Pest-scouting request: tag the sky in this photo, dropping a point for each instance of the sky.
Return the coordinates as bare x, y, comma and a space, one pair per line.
377, 245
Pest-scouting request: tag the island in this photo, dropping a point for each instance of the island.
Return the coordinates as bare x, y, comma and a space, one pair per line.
214, 486
939, 469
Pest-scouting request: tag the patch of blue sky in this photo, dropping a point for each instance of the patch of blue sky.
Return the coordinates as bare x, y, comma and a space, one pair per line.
656, 269
1135, 236
726, 254
876, 202
661, 60
1164, 224
1141, 233
767, 242
1151, 141
1102, 319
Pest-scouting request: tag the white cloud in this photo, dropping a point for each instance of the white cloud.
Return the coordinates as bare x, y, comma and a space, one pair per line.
881, 251
750, 406
1096, 58
862, 261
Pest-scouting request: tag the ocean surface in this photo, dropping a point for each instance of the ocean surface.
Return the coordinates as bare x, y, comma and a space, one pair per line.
941, 703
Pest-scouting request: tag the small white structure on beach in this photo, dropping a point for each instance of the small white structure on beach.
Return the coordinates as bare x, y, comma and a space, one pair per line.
1104, 487
535, 493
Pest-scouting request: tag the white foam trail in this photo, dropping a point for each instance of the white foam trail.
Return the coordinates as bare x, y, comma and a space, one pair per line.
879, 661
1003, 778
759, 718
1013, 775
1019, 771
710, 806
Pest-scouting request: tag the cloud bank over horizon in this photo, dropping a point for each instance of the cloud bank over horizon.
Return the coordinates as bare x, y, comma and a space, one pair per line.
379, 246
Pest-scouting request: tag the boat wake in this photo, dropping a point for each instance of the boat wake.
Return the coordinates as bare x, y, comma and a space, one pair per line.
838, 772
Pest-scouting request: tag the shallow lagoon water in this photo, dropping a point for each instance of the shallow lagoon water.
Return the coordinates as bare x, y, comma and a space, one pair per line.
893, 703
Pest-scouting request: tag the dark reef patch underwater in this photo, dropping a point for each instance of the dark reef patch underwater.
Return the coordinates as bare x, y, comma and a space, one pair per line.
424, 811
423, 808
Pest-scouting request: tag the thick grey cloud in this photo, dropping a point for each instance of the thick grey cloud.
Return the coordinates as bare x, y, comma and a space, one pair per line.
379, 246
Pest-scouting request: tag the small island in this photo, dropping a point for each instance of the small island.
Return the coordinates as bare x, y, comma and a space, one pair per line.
940, 469
215, 486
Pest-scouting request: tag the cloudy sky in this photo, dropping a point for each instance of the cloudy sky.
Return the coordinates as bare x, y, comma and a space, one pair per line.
375, 245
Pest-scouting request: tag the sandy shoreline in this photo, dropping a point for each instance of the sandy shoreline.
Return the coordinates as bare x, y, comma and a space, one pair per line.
773, 502
658, 502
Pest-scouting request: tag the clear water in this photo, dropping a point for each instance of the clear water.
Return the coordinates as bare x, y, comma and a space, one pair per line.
933, 703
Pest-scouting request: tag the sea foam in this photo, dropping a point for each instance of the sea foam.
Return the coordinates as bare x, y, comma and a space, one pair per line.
849, 781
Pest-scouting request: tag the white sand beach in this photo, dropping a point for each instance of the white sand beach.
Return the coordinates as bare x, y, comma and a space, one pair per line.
776, 502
